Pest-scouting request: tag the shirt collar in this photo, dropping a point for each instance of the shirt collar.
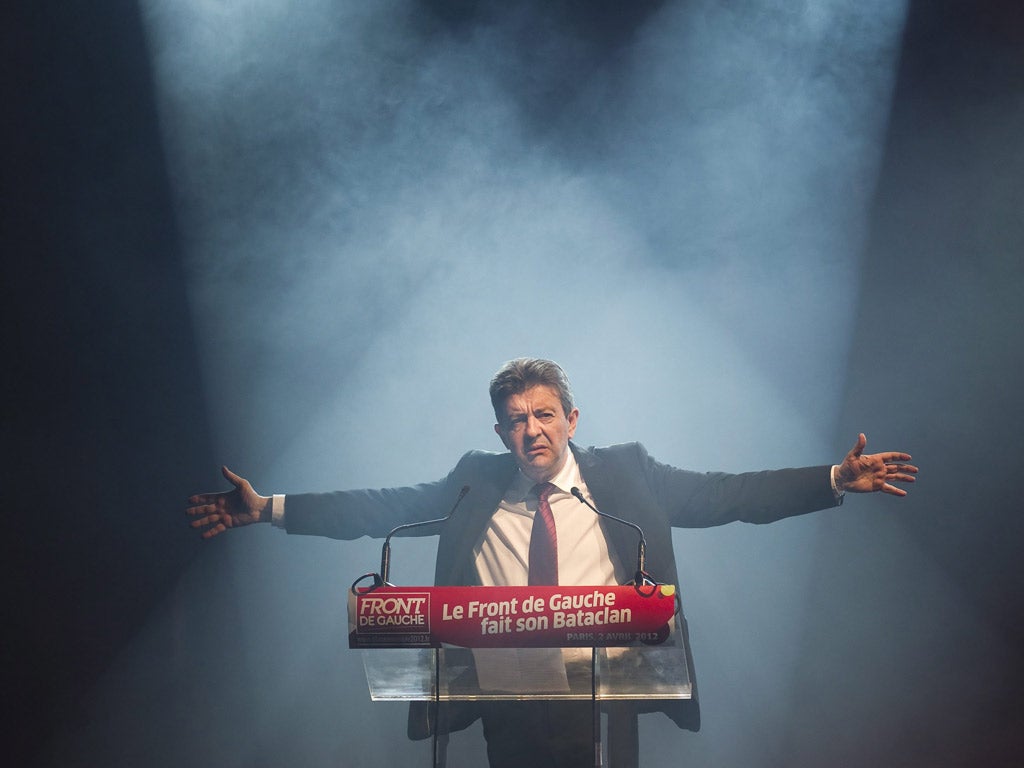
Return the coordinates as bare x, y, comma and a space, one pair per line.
568, 477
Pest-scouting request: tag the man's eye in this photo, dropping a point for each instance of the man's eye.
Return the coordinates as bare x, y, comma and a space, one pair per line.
545, 417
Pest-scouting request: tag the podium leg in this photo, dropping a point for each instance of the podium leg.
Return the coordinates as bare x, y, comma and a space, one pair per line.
440, 747
623, 735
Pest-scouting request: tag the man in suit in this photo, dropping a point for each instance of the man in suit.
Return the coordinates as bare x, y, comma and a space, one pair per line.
520, 519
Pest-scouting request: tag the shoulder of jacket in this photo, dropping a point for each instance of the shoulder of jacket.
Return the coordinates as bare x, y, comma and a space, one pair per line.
619, 453
484, 456
617, 449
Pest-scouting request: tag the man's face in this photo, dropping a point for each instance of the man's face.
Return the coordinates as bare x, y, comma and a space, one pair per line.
536, 430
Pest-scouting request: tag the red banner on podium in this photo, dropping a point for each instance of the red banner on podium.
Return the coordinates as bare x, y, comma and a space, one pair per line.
510, 617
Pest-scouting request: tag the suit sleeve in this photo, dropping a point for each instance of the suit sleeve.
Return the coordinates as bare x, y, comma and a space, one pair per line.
704, 499
369, 512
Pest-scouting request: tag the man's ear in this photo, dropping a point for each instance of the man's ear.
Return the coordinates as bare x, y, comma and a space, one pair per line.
501, 433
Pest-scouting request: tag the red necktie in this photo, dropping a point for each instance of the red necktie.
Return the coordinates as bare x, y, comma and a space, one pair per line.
543, 540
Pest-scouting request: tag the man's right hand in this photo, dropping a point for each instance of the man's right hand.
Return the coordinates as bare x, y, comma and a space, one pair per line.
214, 513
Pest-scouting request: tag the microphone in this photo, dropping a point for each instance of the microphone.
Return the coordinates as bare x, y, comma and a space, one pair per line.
641, 576
385, 550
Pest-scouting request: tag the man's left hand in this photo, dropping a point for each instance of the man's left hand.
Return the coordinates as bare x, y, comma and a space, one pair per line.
866, 473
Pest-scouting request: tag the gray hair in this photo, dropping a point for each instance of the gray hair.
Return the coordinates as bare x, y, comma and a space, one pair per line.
516, 376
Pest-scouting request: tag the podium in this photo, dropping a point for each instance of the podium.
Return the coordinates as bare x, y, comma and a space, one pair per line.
449, 645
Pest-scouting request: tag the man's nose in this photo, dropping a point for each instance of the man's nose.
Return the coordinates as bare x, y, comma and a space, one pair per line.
532, 426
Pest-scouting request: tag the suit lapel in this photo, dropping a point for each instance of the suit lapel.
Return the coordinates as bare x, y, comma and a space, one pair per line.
488, 483
602, 486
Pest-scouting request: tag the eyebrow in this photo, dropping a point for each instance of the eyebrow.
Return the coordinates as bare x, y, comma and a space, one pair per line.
541, 409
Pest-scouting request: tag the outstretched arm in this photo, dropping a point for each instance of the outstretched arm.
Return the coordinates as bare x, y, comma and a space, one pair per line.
865, 473
214, 513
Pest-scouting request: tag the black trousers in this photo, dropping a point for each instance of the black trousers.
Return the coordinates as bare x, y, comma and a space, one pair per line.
556, 734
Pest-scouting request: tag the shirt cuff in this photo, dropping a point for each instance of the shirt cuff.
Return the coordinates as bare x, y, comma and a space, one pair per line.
277, 509
835, 488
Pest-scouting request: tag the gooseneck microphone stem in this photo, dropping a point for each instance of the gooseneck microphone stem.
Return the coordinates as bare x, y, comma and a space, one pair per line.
385, 550
641, 547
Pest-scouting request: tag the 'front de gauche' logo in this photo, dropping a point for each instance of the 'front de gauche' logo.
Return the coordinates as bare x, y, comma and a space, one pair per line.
395, 612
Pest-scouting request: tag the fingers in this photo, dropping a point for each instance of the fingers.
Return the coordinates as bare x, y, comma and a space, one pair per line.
898, 473
202, 502
209, 513
897, 467
215, 520
891, 456
893, 490
204, 521
217, 529
208, 503
903, 473
858, 447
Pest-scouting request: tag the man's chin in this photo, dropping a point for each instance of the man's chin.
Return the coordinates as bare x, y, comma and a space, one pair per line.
537, 468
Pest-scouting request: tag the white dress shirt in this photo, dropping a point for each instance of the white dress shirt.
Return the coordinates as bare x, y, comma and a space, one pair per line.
502, 555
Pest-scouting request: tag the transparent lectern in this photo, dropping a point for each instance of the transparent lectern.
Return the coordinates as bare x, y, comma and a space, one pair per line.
605, 645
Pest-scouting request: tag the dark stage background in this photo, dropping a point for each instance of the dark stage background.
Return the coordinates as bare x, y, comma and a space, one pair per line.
107, 428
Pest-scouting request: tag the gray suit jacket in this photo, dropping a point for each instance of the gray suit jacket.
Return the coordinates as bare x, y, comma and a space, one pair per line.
623, 480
